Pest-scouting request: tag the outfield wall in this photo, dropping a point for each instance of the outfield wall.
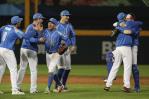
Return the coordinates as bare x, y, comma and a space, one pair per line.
93, 45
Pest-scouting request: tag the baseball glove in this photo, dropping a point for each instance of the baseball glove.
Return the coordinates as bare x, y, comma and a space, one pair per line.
62, 48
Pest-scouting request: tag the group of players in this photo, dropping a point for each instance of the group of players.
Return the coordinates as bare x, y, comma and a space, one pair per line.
55, 36
127, 31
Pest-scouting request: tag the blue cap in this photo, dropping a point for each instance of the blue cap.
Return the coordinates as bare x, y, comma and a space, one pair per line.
65, 13
16, 19
38, 16
121, 16
53, 20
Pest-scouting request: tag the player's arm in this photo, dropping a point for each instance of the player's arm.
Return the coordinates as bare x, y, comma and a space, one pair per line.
124, 30
19, 33
73, 36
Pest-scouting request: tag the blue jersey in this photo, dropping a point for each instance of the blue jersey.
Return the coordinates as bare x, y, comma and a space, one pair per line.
53, 40
123, 39
67, 31
9, 34
31, 40
136, 28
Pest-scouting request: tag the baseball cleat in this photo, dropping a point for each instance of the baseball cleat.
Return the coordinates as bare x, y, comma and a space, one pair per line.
65, 89
16, 92
127, 90
60, 88
47, 91
34, 92
55, 90
20, 90
107, 88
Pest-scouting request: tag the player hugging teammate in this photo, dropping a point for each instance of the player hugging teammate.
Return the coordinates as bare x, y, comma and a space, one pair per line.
127, 31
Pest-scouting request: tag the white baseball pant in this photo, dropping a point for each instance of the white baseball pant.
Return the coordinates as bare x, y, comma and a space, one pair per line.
65, 61
28, 56
124, 54
2, 67
10, 59
134, 54
52, 61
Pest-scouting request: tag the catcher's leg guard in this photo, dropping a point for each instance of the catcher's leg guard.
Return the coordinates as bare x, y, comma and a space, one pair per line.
135, 72
109, 61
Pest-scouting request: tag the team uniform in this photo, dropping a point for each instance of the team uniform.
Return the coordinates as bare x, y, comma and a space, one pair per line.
135, 42
9, 34
52, 44
28, 55
67, 31
123, 46
111, 55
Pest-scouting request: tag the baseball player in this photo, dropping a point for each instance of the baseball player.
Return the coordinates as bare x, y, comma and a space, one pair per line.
52, 45
123, 46
28, 53
135, 70
110, 56
65, 29
9, 34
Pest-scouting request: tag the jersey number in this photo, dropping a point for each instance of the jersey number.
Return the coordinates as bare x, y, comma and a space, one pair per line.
4, 36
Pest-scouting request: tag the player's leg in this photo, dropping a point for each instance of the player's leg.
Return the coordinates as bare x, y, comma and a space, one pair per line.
50, 75
109, 61
52, 69
67, 70
23, 66
114, 69
32, 59
127, 60
2, 70
10, 60
61, 68
135, 70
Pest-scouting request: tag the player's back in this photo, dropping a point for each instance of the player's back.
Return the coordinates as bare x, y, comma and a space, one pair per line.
135, 26
9, 35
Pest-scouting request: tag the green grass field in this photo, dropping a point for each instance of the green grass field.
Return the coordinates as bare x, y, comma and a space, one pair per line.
81, 91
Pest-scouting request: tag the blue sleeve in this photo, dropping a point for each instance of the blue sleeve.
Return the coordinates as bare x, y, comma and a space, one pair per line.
139, 22
73, 36
121, 29
29, 35
19, 33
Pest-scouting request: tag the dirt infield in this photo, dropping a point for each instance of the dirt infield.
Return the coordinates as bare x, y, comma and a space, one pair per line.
78, 79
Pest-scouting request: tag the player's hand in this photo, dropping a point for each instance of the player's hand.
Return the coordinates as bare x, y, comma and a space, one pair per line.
73, 49
42, 40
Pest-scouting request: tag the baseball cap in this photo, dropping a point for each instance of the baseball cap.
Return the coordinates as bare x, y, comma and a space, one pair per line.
16, 19
121, 16
38, 16
65, 13
53, 20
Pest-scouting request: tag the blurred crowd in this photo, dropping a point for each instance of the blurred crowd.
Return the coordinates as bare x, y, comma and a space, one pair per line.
80, 2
